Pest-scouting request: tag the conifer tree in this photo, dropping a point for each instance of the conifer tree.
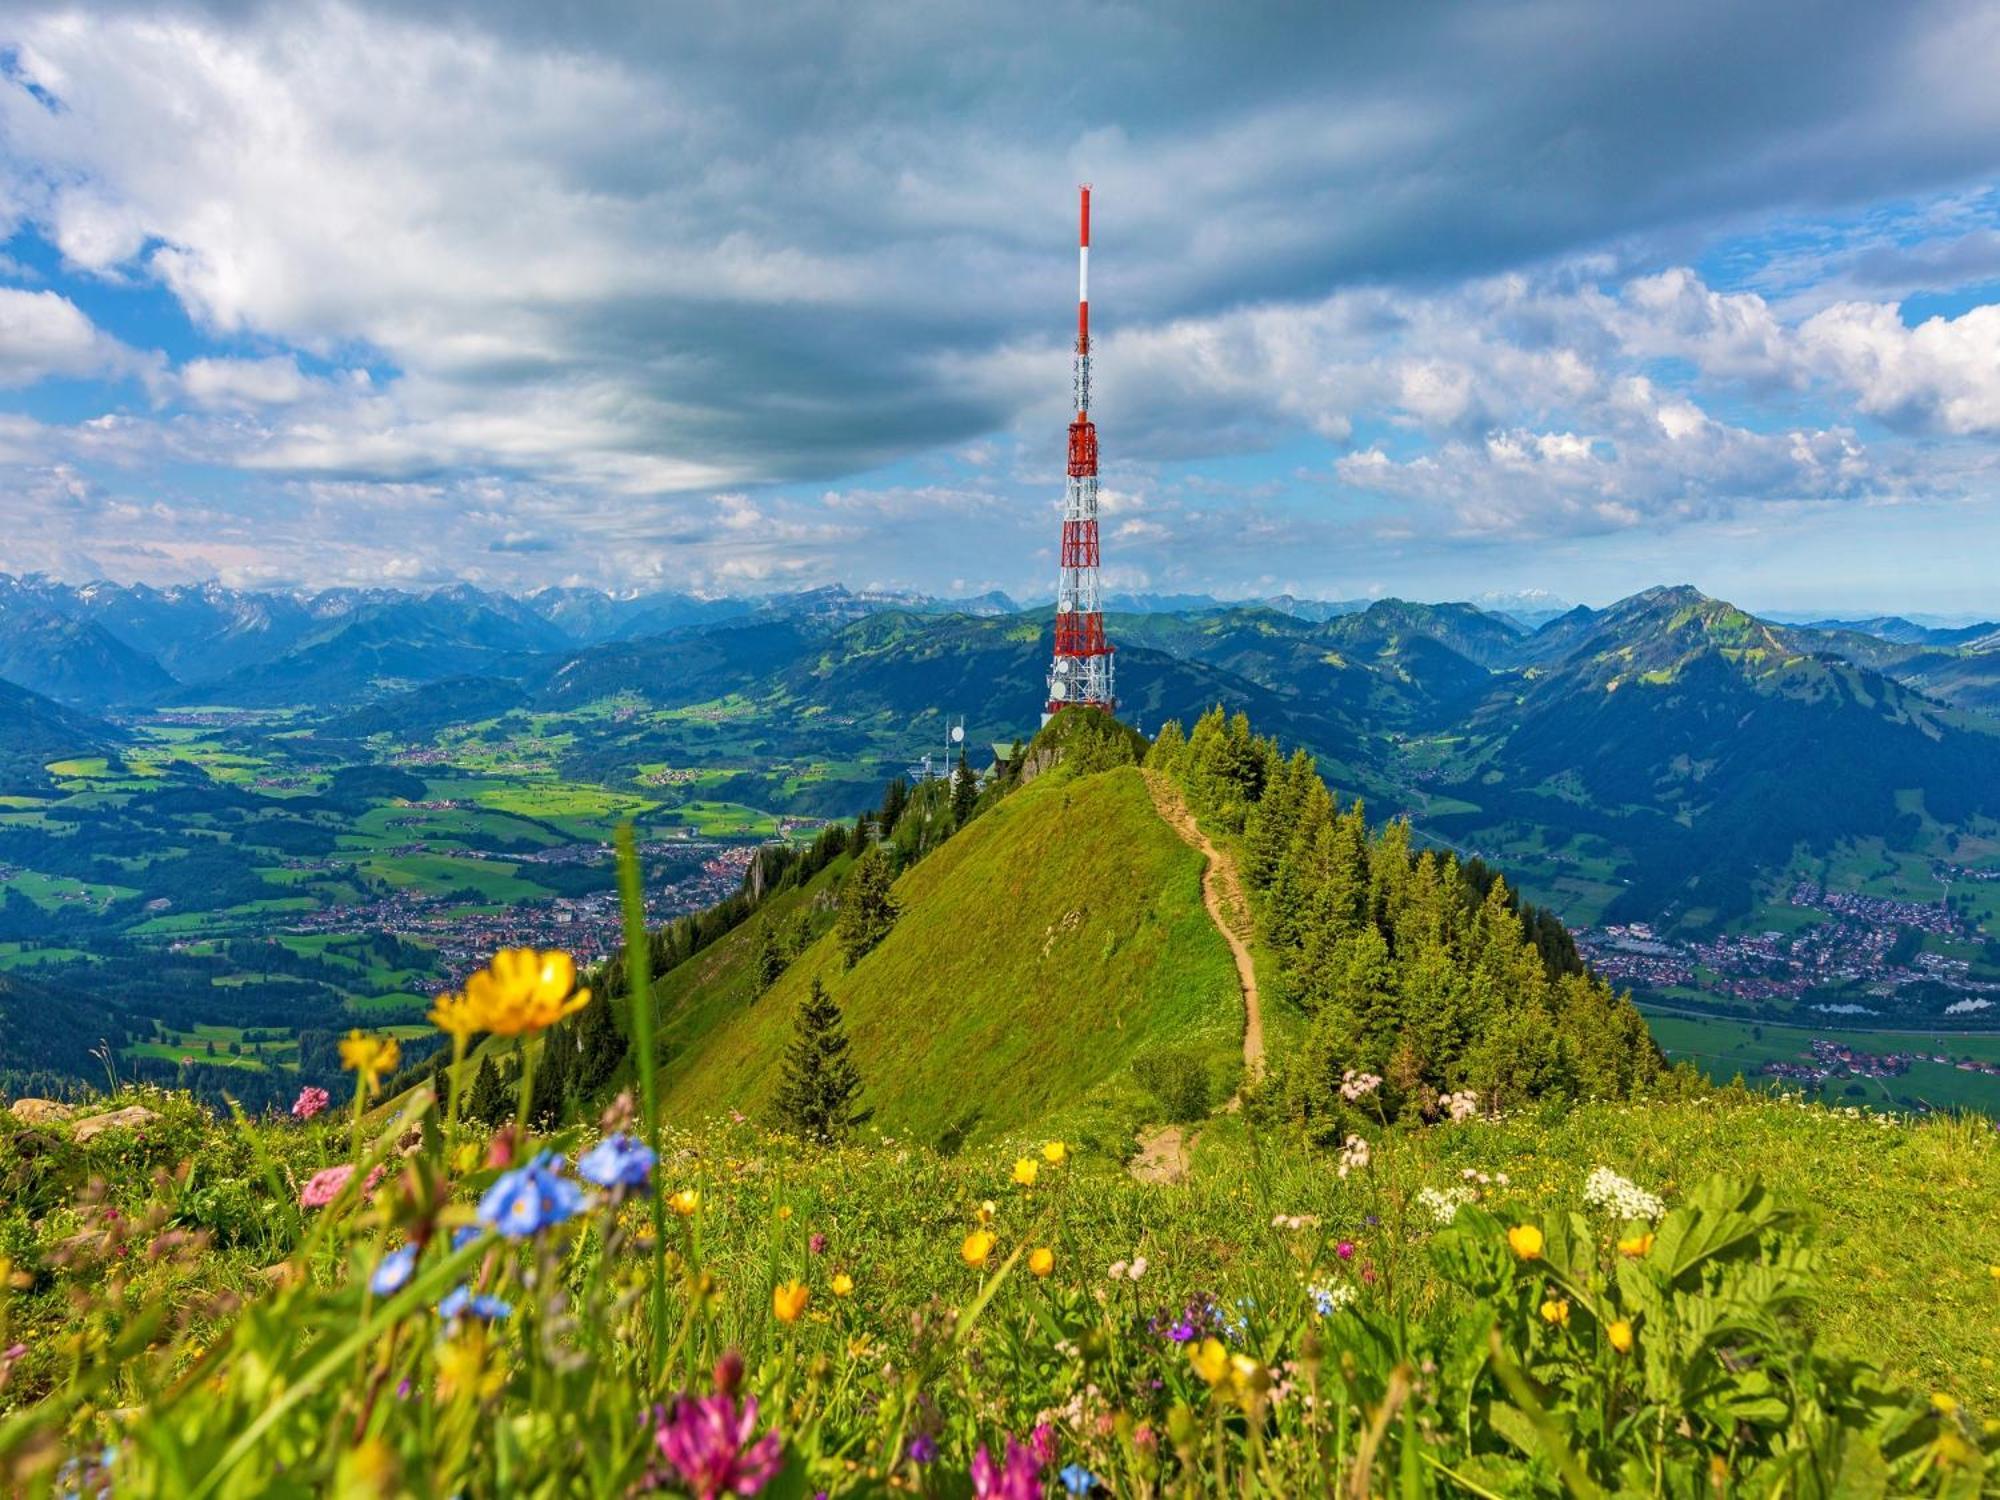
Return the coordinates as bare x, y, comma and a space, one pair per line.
602, 1046
867, 909
488, 1101
895, 797
964, 793
819, 1085
770, 954
552, 1078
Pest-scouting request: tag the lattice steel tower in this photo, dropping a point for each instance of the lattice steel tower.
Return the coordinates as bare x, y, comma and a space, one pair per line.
1081, 673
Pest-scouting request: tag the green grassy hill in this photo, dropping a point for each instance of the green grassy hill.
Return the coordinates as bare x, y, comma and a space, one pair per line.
1027, 971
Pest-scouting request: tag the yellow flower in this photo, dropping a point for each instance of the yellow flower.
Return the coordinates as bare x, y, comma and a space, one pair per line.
463, 1369
1042, 1260
1556, 1310
789, 1300
1947, 1405
978, 1245
1055, 1153
523, 990
843, 1284
986, 1212
370, 1056
784, 1210
1210, 1360
1996, 1272
1525, 1240
454, 1016
1637, 1245
1025, 1171
1249, 1377
1620, 1334
685, 1202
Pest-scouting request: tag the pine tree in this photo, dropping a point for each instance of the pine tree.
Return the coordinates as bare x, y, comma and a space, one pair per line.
819, 1085
895, 797
964, 793
488, 1100
552, 1077
867, 909
602, 1049
770, 954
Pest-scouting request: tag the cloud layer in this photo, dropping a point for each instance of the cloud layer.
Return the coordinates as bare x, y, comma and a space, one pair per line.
714, 297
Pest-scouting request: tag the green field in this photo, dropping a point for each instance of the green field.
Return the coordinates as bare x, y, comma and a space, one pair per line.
1723, 1048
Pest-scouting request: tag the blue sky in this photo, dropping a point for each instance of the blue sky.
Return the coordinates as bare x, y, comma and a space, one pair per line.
1429, 301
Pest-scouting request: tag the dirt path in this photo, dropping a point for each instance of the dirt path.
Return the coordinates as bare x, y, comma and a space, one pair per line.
1222, 894
1163, 1155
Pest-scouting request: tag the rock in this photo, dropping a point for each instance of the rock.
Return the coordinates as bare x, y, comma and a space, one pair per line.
39, 1111
129, 1118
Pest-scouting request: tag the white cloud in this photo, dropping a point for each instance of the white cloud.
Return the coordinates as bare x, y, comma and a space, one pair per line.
276, 381
1943, 374
44, 334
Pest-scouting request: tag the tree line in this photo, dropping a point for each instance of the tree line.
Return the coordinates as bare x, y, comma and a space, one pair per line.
1407, 966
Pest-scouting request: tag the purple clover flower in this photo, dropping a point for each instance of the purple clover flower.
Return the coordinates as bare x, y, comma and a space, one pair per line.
1016, 1477
922, 1449
708, 1441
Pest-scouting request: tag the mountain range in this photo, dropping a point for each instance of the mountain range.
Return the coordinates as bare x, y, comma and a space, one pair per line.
1679, 747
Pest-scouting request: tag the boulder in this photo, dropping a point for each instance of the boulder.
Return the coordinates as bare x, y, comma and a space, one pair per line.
39, 1111
129, 1118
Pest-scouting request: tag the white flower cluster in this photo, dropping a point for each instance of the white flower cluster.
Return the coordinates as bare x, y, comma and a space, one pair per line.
1354, 1156
1128, 1270
1473, 1174
1357, 1086
1295, 1222
1605, 1189
1331, 1299
1461, 1104
1443, 1204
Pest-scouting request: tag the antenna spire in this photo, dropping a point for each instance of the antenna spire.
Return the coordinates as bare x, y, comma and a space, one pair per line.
1081, 674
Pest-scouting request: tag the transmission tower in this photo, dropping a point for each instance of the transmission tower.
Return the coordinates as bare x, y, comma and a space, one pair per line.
1081, 672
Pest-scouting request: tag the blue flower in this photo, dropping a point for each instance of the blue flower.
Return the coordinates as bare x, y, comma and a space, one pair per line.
530, 1199
394, 1272
617, 1161
459, 1301
463, 1236
1078, 1480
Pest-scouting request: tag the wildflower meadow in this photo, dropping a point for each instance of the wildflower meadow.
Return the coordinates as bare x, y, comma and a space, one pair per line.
383, 1299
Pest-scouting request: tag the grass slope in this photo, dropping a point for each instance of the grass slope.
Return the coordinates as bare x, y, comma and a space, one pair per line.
1026, 972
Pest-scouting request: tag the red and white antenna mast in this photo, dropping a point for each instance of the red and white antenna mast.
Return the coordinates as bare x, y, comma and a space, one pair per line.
1081, 673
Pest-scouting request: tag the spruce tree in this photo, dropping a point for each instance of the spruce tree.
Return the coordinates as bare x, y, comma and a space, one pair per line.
964, 793
602, 1046
867, 909
552, 1078
770, 954
488, 1100
819, 1085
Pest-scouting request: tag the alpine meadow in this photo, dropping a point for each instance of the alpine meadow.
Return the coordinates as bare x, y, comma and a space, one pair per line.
669, 827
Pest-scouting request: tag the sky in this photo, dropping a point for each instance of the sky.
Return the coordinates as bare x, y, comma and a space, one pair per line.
1431, 301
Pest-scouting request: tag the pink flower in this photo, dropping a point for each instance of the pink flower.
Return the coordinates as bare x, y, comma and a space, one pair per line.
325, 1186
709, 1444
312, 1099
1018, 1478
1345, 1249
817, 1244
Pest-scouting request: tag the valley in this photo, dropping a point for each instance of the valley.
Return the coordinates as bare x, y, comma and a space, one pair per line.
1741, 820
